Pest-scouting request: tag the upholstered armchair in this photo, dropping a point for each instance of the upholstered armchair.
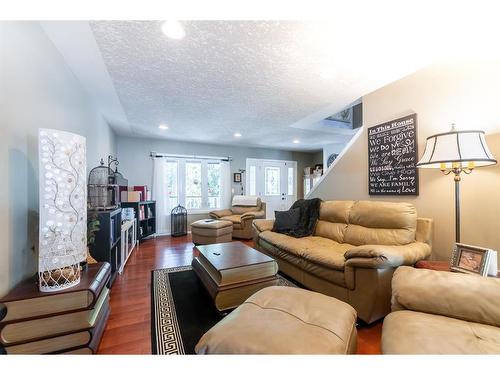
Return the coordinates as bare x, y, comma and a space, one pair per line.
242, 213
437, 312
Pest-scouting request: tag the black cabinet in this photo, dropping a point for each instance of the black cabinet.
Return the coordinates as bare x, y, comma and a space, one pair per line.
107, 244
145, 213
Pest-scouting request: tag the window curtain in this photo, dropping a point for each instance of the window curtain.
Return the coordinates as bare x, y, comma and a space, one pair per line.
161, 195
225, 177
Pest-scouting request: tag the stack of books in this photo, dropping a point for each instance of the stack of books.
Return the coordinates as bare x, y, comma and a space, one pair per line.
69, 321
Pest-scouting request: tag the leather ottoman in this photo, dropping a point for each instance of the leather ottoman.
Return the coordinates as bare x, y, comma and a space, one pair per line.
209, 231
284, 320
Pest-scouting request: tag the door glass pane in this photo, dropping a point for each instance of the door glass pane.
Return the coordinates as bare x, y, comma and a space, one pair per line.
290, 181
193, 185
272, 180
214, 190
172, 182
252, 176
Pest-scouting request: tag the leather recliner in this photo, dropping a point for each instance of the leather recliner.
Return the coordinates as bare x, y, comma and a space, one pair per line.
242, 218
438, 312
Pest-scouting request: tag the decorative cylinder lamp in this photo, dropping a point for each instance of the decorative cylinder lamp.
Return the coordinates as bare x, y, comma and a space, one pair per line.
456, 152
63, 208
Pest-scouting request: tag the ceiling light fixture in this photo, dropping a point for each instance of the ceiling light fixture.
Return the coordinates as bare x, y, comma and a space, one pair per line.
237, 135
296, 141
173, 29
163, 127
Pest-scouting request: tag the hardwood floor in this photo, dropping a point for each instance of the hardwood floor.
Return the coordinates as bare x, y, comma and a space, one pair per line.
129, 326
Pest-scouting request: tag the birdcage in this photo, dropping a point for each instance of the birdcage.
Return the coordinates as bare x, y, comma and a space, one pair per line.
178, 221
122, 183
102, 188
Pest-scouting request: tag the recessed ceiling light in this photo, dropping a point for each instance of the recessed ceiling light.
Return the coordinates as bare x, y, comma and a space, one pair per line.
163, 127
296, 141
237, 135
173, 29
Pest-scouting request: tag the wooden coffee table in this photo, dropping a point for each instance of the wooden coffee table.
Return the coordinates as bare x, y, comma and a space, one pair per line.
231, 272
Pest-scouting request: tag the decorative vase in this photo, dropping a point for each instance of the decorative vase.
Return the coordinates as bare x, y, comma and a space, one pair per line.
63, 209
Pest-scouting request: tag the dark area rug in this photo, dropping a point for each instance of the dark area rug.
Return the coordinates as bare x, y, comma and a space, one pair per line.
181, 310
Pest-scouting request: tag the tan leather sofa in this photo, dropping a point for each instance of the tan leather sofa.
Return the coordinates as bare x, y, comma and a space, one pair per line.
436, 312
242, 218
353, 252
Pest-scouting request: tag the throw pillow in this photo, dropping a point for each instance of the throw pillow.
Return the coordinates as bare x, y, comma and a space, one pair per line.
286, 221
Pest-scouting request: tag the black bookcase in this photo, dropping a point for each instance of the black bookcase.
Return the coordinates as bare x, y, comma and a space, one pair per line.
107, 244
145, 213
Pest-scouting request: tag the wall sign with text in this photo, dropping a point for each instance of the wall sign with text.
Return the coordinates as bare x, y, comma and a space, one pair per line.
392, 157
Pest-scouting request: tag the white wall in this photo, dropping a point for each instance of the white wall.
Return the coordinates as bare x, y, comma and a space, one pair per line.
137, 166
466, 94
332, 148
37, 90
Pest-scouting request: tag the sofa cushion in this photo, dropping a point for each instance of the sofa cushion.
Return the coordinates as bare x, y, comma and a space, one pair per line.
381, 223
335, 211
326, 252
235, 219
333, 219
333, 231
461, 296
277, 253
358, 235
318, 250
238, 210
409, 332
296, 246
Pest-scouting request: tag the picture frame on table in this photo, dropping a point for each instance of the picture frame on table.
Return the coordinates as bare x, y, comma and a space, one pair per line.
237, 177
470, 259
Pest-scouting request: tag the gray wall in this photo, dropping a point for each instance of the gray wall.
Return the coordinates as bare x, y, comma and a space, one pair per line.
37, 90
137, 166
318, 158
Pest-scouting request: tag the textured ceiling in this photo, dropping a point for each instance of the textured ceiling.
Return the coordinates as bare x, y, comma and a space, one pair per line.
264, 79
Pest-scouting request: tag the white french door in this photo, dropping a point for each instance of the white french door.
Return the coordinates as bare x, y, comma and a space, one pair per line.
274, 181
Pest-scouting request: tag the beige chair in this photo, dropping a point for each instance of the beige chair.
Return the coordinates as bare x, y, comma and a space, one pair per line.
242, 218
209, 231
437, 312
353, 252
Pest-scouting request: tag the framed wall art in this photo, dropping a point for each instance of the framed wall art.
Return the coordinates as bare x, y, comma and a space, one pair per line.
392, 157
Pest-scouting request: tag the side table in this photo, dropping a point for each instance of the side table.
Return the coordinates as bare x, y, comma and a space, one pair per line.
437, 265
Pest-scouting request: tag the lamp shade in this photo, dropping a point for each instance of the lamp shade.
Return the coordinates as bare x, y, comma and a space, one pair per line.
63, 209
456, 149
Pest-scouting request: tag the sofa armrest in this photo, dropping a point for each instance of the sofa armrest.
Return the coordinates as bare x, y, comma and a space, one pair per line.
262, 225
253, 215
382, 256
220, 213
456, 295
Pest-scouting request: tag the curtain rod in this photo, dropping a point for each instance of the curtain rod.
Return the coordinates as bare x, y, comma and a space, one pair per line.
154, 154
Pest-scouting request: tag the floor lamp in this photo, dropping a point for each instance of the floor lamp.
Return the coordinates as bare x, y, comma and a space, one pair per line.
456, 152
